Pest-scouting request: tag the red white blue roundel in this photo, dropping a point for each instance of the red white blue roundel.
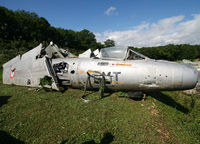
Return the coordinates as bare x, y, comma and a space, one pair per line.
12, 73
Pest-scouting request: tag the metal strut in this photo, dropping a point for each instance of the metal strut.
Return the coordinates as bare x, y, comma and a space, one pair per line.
102, 85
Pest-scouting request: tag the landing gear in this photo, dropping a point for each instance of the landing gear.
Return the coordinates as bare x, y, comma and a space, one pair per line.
102, 84
144, 97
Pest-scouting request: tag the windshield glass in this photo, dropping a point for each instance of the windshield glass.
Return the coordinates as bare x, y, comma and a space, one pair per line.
117, 52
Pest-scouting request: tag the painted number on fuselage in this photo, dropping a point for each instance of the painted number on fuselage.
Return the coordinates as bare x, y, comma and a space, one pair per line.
110, 77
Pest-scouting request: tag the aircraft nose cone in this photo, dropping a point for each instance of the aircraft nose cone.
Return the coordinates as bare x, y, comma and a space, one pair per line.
190, 76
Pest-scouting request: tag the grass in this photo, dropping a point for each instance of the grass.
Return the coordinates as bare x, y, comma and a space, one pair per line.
53, 117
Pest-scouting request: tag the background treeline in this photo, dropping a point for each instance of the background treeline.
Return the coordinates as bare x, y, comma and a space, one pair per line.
172, 52
21, 31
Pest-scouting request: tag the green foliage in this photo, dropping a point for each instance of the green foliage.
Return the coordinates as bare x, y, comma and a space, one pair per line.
20, 31
46, 80
109, 43
171, 52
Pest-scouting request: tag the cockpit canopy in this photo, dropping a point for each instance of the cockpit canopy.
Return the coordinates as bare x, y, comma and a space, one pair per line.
121, 53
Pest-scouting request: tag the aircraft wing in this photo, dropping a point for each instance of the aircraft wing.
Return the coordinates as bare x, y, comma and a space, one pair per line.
27, 69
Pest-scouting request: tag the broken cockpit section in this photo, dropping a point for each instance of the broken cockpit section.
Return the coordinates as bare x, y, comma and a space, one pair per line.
52, 51
114, 53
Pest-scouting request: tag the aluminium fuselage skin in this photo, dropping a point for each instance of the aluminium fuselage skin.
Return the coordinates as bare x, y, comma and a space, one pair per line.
131, 75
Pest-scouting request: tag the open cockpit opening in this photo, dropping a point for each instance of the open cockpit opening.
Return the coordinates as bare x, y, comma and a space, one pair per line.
133, 55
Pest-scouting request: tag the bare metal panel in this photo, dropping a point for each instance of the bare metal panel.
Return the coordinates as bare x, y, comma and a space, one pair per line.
20, 67
25, 70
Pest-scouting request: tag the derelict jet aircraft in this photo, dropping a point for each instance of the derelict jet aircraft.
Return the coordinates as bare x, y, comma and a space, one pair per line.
120, 67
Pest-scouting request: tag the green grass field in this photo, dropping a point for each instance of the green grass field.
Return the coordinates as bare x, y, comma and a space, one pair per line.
27, 116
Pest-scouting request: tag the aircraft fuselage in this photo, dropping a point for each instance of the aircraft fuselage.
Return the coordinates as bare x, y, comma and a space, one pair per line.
134, 75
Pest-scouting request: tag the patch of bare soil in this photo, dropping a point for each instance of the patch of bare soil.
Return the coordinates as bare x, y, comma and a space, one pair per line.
163, 133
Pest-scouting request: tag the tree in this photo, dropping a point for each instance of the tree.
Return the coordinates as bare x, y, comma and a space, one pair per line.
109, 43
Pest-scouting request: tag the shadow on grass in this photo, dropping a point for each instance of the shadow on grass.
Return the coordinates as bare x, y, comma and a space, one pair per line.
168, 101
4, 100
106, 93
107, 139
132, 98
5, 138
